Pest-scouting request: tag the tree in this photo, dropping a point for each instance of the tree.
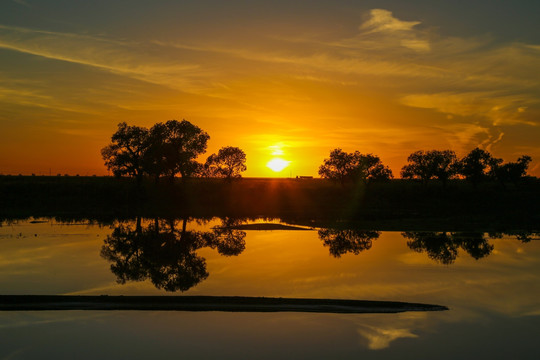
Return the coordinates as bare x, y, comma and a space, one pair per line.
178, 144
355, 166
338, 167
379, 172
166, 149
477, 165
512, 171
426, 165
155, 160
229, 162
125, 155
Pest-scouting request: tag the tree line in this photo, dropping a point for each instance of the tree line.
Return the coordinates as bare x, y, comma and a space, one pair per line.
170, 149
167, 150
477, 166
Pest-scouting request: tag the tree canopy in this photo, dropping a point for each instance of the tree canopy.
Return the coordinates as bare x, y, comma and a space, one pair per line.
229, 162
432, 164
477, 165
168, 148
511, 171
126, 153
174, 146
355, 167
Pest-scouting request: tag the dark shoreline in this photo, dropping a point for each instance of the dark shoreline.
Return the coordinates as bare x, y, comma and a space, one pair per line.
394, 205
206, 303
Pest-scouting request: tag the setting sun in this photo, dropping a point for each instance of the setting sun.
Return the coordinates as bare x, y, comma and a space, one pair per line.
277, 164
369, 167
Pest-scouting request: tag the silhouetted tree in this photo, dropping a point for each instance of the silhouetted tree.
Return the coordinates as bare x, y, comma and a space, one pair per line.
155, 160
229, 162
166, 149
379, 172
338, 167
355, 167
476, 166
512, 171
341, 242
177, 145
125, 155
432, 164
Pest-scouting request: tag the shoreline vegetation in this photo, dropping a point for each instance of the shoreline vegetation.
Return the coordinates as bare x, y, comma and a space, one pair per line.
207, 303
396, 204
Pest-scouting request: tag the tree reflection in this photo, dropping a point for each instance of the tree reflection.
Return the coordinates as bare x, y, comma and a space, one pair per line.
523, 236
353, 241
228, 240
165, 252
443, 247
473, 243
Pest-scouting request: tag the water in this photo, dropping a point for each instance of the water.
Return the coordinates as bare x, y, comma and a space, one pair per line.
490, 282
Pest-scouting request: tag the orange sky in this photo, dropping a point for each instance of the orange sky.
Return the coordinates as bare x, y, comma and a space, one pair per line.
302, 79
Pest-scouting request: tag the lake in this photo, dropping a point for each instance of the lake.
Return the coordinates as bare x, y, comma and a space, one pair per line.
489, 282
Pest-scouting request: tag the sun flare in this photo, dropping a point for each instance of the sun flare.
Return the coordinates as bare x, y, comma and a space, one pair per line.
277, 164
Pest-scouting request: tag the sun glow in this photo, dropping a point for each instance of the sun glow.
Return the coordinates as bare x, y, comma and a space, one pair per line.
277, 164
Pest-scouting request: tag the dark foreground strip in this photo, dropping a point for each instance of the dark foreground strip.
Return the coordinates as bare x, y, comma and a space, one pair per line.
205, 303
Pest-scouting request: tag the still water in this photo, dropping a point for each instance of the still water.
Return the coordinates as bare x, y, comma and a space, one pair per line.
490, 282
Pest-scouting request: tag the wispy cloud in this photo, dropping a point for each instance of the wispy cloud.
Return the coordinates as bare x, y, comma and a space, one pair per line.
128, 58
382, 20
500, 108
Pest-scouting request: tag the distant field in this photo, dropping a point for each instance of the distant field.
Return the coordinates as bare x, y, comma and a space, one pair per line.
389, 205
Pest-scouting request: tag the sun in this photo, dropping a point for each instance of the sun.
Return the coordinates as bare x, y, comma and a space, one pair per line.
277, 164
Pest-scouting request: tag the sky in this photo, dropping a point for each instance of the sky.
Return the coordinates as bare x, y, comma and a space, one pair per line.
283, 80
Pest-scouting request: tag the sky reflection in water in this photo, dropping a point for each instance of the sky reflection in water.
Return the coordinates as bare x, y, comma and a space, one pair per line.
490, 283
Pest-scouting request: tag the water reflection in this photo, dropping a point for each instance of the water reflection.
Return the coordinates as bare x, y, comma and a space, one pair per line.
523, 236
341, 242
164, 251
493, 301
443, 247
227, 239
